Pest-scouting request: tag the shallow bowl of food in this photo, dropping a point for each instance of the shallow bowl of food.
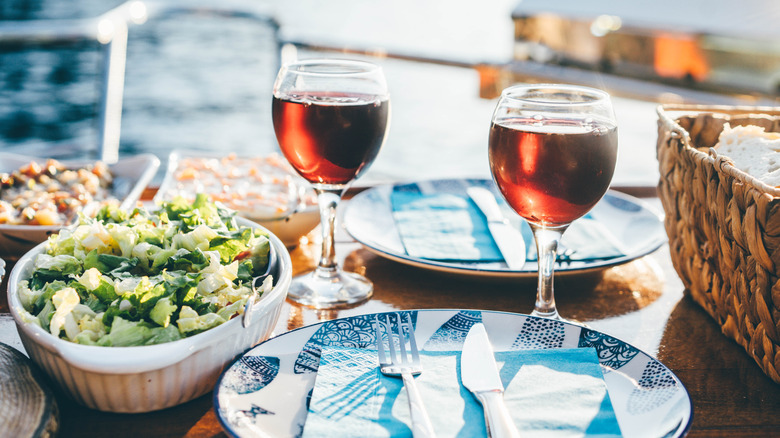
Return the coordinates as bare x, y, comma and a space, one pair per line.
131, 379
128, 178
289, 229
263, 189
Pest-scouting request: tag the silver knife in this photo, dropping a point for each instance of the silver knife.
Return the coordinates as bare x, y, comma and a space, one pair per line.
508, 238
479, 373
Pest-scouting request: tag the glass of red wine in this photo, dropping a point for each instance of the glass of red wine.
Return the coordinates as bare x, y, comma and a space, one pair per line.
552, 153
330, 117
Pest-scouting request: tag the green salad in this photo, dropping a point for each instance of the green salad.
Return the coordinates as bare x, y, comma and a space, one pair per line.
142, 278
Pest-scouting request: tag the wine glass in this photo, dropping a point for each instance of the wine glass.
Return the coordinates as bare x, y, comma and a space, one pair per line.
552, 153
330, 117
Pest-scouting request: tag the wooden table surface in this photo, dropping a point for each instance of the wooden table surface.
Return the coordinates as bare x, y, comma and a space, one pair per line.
641, 303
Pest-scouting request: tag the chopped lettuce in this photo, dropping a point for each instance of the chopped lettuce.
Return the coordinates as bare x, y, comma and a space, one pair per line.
131, 333
190, 322
162, 311
99, 286
45, 315
140, 278
63, 264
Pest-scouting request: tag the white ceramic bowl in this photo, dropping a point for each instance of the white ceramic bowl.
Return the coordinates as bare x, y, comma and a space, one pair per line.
147, 378
291, 228
303, 214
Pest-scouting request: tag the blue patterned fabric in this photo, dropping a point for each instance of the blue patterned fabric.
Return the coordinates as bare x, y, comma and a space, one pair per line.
551, 393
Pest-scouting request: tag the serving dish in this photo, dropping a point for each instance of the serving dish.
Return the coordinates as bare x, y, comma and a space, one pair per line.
261, 188
265, 392
368, 218
131, 176
147, 378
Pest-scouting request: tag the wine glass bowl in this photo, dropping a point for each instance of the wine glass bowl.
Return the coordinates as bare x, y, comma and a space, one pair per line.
552, 153
330, 117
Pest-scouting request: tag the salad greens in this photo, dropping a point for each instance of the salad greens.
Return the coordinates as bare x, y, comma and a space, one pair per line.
142, 278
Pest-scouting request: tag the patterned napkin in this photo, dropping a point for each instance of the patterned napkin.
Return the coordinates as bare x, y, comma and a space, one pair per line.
450, 227
550, 393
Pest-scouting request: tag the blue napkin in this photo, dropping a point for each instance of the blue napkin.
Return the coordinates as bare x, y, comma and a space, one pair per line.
442, 227
450, 227
588, 239
550, 393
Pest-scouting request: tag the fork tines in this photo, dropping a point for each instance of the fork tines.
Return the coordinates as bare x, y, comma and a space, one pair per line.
399, 356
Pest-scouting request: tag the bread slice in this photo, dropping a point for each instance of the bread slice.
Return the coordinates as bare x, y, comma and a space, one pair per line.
753, 151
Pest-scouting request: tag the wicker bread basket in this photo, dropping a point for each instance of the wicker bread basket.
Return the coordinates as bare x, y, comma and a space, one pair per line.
723, 226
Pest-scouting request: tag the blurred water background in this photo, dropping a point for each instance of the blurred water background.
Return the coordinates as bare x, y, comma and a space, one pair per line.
193, 82
200, 82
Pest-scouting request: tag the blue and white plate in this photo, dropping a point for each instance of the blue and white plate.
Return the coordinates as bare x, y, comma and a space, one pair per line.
368, 218
266, 391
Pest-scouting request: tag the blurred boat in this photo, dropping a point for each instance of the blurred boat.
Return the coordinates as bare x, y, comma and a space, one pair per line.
717, 46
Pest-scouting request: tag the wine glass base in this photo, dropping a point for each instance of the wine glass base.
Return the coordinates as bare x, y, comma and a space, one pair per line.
335, 289
554, 315
549, 315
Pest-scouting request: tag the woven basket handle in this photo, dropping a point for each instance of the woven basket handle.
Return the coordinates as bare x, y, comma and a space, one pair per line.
673, 129
722, 109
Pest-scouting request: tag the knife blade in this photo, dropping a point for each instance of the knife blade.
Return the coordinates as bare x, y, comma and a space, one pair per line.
508, 238
479, 374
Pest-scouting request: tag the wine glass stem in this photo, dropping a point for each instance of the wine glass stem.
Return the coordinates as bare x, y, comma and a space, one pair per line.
547, 239
328, 200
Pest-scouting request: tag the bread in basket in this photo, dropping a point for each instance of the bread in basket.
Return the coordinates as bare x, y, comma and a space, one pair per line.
723, 225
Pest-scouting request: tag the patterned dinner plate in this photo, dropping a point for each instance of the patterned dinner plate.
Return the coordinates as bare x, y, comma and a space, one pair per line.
627, 221
266, 391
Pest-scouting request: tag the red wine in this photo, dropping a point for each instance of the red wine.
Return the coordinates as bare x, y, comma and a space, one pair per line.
330, 138
554, 172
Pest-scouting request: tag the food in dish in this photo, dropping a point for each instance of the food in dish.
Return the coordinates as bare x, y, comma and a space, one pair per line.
130, 175
142, 278
52, 194
151, 377
753, 151
257, 187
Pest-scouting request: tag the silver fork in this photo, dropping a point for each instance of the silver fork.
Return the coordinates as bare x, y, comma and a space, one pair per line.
406, 366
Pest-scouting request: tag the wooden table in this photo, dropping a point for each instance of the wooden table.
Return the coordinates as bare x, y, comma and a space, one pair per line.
641, 303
